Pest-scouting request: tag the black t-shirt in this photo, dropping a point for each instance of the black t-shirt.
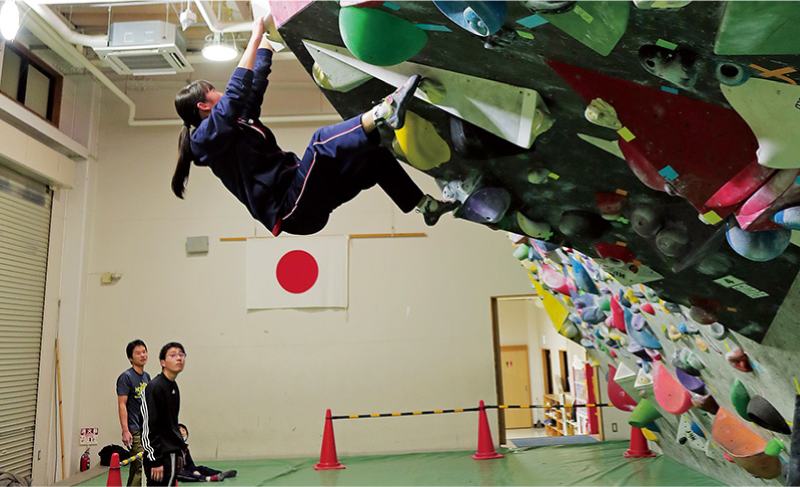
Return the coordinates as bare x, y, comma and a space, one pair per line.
161, 402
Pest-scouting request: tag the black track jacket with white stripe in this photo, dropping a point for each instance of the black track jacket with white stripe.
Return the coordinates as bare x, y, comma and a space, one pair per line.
161, 401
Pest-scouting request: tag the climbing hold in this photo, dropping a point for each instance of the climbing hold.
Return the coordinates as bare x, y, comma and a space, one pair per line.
644, 414
764, 414
674, 65
672, 240
646, 221
549, 7
521, 252
554, 279
611, 251
582, 224
774, 447
705, 403
661, 4
421, 144
788, 217
610, 203
654, 354
739, 360
701, 344
379, 38
758, 246
434, 90
538, 175
532, 228
487, 205
601, 113
643, 379
678, 361
480, 18
643, 337
690, 382
743, 446
731, 74
673, 333
343, 80
582, 278
697, 430
593, 315
670, 394
717, 331
597, 25
703, 310
648, 308
740, 398
617, 395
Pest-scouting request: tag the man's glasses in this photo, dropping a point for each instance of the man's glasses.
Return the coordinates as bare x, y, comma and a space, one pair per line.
176, 355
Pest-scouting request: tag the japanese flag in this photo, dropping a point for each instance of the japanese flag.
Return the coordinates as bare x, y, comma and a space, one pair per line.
297, 272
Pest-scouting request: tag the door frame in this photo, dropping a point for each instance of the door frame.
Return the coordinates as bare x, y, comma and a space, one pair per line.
498, 362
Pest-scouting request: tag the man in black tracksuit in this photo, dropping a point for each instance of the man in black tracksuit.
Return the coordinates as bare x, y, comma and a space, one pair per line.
161, 437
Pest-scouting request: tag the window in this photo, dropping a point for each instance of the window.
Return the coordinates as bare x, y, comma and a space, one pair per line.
30, 82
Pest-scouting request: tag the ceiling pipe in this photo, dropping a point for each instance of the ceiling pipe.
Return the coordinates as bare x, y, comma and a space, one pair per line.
65, 31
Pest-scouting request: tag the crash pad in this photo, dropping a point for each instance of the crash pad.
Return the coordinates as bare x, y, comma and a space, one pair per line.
752, 27
743, 446
423, 147
597, 25
706, 146
378, 37
479, 18
670, 394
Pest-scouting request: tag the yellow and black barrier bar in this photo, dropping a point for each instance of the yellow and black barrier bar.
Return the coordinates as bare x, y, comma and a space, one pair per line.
138, 456
467, 410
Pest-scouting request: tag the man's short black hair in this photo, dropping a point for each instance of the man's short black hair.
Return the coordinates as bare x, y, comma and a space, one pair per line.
132, 345
163, 354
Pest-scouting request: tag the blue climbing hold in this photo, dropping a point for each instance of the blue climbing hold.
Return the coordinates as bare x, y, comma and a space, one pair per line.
759, 246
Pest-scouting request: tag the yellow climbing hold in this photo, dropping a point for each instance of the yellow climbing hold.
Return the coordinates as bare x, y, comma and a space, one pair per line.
421, 144
649, 435
701, 344
555, 310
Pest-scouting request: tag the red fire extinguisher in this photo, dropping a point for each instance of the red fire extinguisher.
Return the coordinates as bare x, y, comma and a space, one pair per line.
85, 461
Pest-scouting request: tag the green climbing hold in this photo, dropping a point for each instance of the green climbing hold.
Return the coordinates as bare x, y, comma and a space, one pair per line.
605, 305
521, 253
774, 447
740, 398
644, 414
379, 38
597, 25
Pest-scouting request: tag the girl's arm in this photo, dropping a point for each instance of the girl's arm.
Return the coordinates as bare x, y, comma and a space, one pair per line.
262, 69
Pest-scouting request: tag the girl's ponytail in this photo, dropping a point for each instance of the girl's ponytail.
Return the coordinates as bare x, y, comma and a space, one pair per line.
186, 105
185, 158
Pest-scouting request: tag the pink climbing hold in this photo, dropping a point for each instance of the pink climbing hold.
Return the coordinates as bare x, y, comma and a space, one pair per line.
670, 394
648, 308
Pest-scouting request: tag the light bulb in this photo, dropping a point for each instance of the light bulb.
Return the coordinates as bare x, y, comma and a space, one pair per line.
9, 19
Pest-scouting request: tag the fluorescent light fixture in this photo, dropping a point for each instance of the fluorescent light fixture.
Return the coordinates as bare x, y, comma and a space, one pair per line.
9, 19
218, 48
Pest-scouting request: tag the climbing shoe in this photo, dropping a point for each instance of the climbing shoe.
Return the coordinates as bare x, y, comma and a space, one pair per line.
392, 110
433, 209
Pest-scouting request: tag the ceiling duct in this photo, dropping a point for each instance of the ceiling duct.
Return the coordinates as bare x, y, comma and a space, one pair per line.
145, 48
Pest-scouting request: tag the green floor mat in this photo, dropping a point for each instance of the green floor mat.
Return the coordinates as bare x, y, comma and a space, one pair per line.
588, 464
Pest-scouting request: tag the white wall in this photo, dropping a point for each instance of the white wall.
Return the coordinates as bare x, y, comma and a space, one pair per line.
417, 334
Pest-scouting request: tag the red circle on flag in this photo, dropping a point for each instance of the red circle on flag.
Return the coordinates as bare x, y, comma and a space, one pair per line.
297, 271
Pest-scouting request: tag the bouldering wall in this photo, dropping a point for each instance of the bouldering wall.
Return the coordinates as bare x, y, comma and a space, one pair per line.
642, 157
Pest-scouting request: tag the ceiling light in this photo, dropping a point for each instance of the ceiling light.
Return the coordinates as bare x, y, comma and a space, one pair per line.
219, 48
9, 19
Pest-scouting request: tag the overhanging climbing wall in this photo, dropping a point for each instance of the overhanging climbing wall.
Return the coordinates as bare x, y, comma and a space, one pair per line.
658, 140
666, 169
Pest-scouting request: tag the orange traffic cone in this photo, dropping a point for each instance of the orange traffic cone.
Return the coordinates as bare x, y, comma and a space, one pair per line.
485, 443
114, 473
638, 448
327, 457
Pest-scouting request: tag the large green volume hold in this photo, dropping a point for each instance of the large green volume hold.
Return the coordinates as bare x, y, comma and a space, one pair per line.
379, 38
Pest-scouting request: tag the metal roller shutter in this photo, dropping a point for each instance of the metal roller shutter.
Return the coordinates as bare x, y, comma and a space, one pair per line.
24, 237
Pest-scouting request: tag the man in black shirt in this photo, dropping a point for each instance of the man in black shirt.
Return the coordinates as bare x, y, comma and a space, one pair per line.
161, 437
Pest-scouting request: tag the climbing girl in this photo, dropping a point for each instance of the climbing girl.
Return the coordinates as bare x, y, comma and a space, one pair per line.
284, 192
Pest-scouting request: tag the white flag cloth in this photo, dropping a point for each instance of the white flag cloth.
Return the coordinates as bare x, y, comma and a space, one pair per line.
297, 272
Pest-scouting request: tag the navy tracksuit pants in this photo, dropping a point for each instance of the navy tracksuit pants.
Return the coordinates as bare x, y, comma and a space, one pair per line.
341, 161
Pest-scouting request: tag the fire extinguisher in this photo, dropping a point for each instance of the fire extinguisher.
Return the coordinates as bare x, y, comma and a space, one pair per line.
85, 461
